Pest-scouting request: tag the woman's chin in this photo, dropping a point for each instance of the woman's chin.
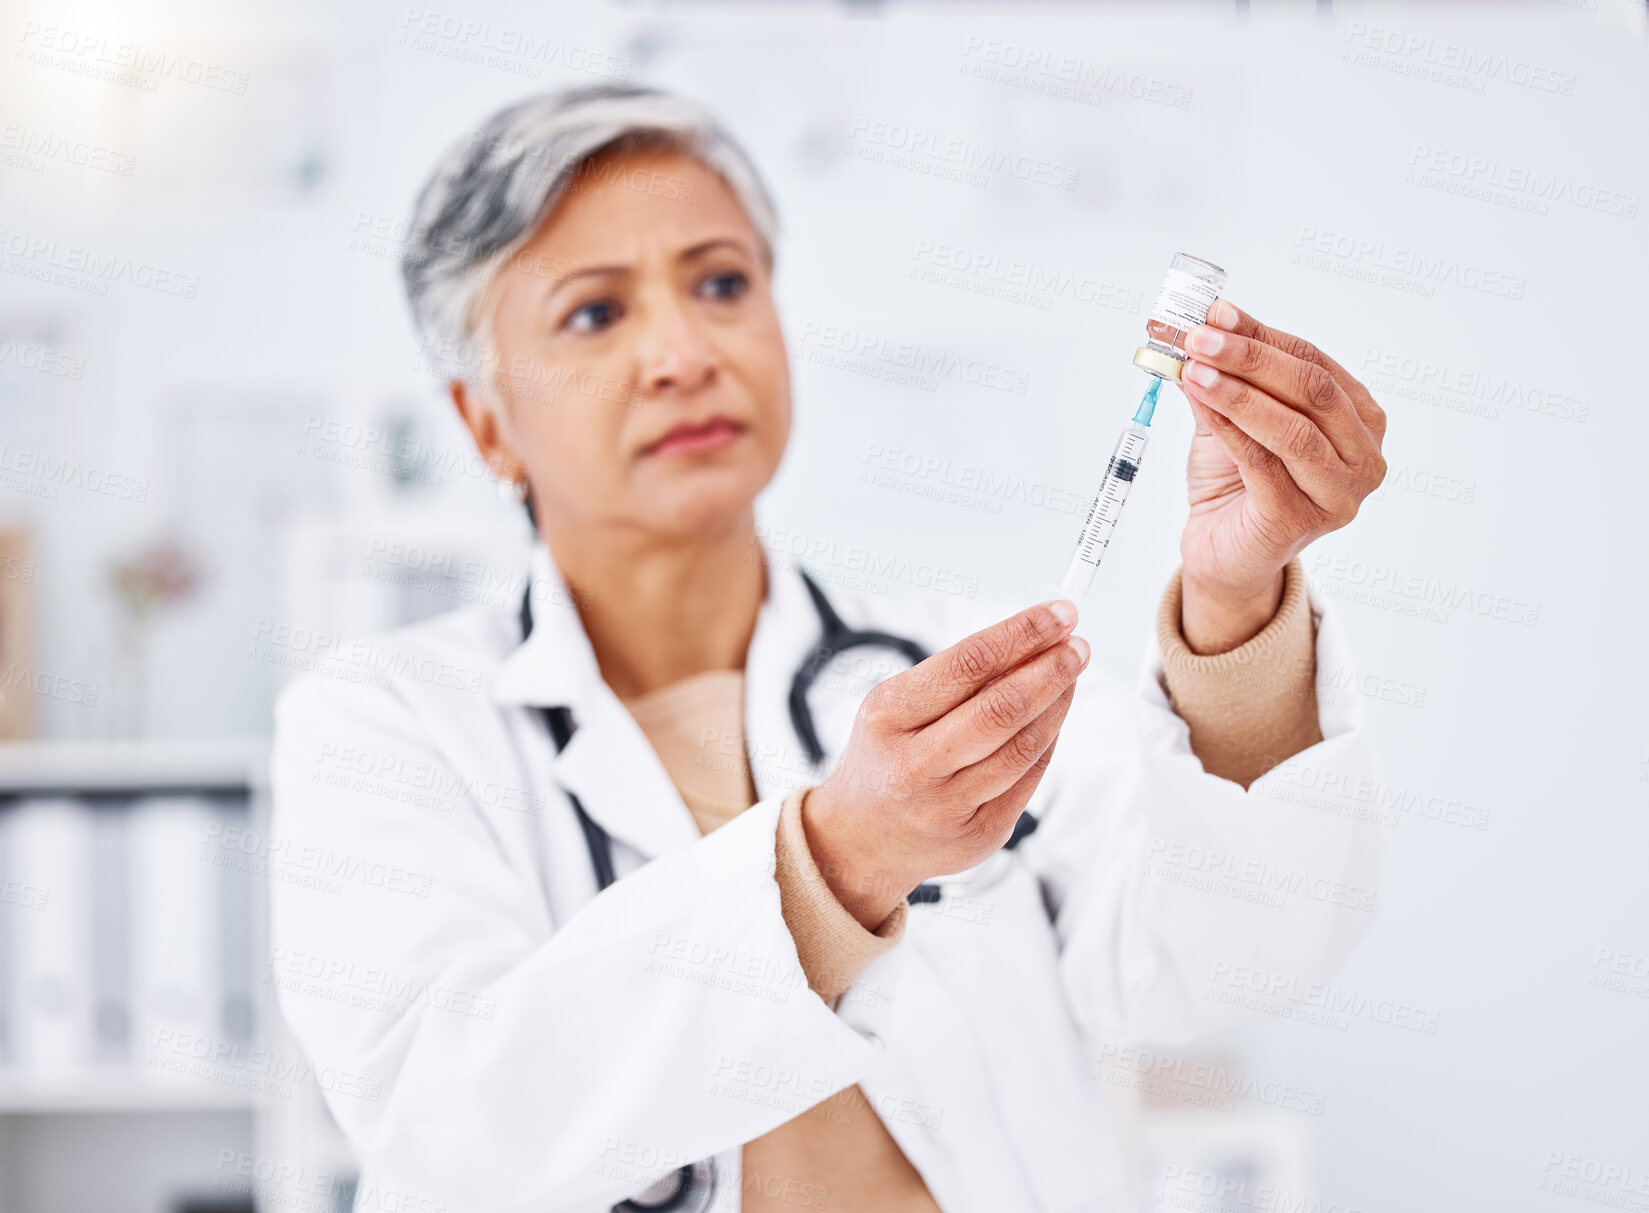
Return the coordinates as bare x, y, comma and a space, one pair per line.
704, 502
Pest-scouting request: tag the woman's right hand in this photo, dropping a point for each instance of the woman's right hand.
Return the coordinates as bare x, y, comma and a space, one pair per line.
942, 759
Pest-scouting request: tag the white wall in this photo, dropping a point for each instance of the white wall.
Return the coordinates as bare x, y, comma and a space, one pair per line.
1297, 130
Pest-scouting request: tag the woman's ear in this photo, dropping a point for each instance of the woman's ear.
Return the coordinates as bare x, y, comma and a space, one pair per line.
480, 410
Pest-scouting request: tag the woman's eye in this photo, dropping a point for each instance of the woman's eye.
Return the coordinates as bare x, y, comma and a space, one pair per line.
730, 285
593, 316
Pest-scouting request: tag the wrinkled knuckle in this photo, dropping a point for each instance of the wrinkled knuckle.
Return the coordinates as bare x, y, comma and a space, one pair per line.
974, 834
1030, 628
1366, 470
1026, 747
1326, 393
1302, 442
1043, 757
1260, 455
1003, 706
974, 658
1317, 387
1299, 347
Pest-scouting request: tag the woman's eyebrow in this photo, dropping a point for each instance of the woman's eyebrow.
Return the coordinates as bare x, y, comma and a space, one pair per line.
608, 271
588, 271
698, 250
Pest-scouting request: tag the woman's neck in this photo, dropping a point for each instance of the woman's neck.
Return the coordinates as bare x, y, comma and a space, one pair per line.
659, 609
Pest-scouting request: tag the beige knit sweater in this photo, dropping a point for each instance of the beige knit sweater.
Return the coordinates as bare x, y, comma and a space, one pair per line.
1248, 710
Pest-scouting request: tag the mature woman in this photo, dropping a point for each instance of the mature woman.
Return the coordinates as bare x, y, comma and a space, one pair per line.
852, 949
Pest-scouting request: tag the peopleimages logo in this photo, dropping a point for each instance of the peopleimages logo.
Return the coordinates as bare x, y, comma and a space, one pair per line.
964, 155
80, 267
121, 61
1419, 590
15, 677
1397, 266
481, 42
31, 356
878, 568
1292, 992
1009, 278
850, 349
1464, 389
47, 145
1421, 55
1265, 882
1495, 180
1044, 70
43, 475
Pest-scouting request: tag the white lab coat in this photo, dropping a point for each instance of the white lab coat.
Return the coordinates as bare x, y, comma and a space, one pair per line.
499, 1038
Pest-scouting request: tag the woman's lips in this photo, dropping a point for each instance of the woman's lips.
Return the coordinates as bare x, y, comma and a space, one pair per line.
695, 439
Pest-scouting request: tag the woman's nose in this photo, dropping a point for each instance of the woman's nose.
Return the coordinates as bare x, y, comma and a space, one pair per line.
674, 355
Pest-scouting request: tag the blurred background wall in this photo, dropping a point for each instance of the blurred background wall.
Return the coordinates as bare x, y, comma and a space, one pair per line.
220, 449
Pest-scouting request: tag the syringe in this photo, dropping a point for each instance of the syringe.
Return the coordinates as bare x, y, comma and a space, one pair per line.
1119, 478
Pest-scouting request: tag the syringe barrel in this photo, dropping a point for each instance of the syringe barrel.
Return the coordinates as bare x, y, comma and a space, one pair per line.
1107, 508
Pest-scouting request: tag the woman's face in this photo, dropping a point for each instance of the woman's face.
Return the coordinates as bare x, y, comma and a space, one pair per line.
640, 361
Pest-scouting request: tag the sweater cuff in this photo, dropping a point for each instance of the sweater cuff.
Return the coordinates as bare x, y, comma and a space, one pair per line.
1256, 705
832, 945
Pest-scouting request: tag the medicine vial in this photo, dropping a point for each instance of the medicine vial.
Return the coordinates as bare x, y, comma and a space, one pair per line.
1187, 292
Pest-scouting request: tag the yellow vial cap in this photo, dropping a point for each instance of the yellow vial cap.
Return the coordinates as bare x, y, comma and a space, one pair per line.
1158, 363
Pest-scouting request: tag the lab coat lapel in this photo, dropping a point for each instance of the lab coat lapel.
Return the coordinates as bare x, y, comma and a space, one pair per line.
614, 771
609, 763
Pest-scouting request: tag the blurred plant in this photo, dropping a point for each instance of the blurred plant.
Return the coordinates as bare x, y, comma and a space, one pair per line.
161, 575
149, 581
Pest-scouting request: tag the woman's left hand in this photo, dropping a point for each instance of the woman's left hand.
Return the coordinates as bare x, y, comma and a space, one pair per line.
1287, 445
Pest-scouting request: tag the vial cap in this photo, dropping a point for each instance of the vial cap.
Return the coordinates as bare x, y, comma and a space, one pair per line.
1158, 363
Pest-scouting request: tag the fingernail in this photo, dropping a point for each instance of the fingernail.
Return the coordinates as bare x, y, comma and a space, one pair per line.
1222, 314
1063, 611
1205, 340
1201, 374
1080, 647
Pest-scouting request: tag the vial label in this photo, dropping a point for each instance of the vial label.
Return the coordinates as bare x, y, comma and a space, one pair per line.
1184, 300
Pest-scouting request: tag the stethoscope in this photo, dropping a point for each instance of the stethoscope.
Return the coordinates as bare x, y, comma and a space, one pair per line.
692, 1188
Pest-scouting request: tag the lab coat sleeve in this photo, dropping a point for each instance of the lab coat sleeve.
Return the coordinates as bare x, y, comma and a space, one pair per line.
1175, 894
530, 1067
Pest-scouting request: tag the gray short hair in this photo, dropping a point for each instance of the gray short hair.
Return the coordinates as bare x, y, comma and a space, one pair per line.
490, 191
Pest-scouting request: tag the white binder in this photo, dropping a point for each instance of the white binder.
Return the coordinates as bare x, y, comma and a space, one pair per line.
175, 909
12, 893
51, 987
111, 935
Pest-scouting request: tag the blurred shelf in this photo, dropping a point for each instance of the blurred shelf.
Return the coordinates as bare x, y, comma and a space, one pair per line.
116, 1090
122, 767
